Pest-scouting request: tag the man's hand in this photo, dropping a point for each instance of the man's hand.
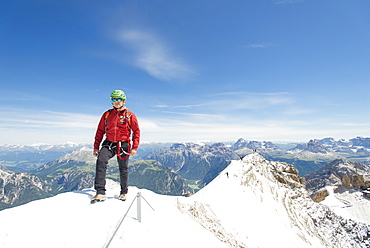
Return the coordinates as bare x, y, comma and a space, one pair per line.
95, 152
133, 153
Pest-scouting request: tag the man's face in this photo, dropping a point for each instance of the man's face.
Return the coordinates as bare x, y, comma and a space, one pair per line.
118, 102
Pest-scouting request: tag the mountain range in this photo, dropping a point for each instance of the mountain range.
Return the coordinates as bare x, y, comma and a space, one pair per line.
176, 169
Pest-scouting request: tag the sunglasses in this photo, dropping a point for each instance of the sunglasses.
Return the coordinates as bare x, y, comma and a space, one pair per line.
117, 99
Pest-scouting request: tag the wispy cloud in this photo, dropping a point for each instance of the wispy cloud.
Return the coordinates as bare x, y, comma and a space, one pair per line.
193, 114
354, 124
252, 101
230, 107
227, 104
288, 1
298, 111
257, 45
154, 56
19, 95
182, 106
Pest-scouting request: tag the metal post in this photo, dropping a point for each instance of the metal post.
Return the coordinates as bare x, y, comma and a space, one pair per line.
118, 225
138, 198
139, 206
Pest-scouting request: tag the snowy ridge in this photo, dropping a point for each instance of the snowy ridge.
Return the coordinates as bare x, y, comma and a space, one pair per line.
263, 204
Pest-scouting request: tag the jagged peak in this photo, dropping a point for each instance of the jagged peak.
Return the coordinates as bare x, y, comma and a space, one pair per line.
281, 172
254, 168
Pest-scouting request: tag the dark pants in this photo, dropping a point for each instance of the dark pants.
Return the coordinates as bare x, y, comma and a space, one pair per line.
106, 154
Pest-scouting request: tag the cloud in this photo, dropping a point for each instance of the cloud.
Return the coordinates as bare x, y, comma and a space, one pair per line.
253, 101
257, 45
199, 115
299, 111
288, 1
231, 106
154, 56
354, 124
260, 45
18, 95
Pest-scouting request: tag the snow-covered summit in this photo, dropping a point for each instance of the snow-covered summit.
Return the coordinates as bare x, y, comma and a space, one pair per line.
260, 203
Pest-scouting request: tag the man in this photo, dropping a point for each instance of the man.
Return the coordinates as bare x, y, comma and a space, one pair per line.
118, 125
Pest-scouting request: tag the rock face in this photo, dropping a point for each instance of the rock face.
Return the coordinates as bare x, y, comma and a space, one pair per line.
288, 174
354, 181
320, 195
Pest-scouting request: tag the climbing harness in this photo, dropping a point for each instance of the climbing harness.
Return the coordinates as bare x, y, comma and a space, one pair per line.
116, 147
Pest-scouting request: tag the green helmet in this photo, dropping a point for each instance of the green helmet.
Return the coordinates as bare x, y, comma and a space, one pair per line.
118, 94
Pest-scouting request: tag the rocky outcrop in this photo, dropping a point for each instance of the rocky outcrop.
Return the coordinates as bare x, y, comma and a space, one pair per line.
354, 181
320, 195
288, 174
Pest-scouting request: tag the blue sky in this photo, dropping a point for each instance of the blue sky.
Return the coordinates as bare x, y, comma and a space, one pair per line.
218, 70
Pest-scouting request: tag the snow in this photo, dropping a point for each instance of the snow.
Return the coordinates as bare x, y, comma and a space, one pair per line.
69, 220
245, 206
350, 204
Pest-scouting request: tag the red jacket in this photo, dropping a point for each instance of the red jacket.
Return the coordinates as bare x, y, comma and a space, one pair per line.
118, 126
